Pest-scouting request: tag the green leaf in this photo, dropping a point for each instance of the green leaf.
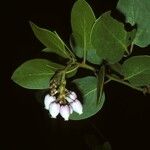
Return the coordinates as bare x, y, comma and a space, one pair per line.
137, 70
100, 83
109, 38
93, 57
35, 74
51, 40
137, 13
82, 20
88, 89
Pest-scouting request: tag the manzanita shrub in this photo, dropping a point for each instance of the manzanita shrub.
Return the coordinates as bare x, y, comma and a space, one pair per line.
101, 45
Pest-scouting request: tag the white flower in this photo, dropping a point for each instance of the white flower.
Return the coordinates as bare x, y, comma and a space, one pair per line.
73, 95
77, 106
54, 109
65, 112
69, 100
71, 109
55, 105
47, 100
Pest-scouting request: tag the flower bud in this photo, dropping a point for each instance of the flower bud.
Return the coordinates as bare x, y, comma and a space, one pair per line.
71, 109
77, 106
47, 100
69, 100
54, 109
72, 95
65, 112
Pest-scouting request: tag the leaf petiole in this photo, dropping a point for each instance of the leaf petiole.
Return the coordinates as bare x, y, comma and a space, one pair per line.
125, 83
131, 48
86, 66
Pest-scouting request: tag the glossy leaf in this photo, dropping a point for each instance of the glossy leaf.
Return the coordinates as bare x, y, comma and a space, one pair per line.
51, 40
88, 89
35, 73
137, 70
109, 38
82, 20
93, 57
137, 13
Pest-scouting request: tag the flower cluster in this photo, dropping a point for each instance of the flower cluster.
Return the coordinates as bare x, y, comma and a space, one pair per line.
55, 106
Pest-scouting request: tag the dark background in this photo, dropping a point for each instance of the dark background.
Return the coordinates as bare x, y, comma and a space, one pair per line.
123, 121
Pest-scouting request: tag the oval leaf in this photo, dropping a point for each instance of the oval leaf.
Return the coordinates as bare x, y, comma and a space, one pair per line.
35, 74
137, 70
82, 20
88, 88
109, 38
51, 40
93, 57
137, 12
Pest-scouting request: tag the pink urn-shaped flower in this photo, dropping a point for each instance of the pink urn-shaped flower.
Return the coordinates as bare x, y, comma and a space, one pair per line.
54, 109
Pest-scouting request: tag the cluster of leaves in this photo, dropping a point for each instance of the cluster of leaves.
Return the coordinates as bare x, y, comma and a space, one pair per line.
101, 43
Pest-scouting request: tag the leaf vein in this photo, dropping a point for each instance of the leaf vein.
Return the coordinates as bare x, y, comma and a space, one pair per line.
133, 75
90, 92
121, 43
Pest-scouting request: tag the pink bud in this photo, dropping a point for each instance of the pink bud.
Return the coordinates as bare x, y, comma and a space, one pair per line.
65, 112
47, 100
73, 95
54, 109
77, 106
